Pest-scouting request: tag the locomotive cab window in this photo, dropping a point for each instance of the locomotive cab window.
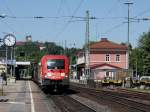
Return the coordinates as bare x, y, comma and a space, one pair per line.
56, 64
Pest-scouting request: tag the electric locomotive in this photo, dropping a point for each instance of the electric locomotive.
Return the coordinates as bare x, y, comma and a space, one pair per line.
52, 72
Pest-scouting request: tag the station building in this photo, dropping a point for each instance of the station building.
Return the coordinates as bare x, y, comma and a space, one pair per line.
106, 59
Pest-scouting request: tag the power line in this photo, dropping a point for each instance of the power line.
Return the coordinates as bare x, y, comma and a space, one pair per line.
112, 8
8, 8
60, 7
67, 7
34, 17
56, 17
142, 13
114, 27
12, 15
66, 25
8, 26
11, 28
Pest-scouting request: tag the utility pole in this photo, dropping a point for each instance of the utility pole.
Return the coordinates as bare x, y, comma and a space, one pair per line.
65, 47
128, 3
14, 62
6, 63
87, 51
11, 71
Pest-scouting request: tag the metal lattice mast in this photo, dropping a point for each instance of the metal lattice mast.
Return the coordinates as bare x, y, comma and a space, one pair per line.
128, 37
87, 35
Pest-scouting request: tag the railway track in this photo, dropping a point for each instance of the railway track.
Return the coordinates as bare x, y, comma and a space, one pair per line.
134, 94
63, 102
68, 104
133, 104
128, 102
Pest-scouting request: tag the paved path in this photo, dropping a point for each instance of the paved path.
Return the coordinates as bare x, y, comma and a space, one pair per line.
23, 96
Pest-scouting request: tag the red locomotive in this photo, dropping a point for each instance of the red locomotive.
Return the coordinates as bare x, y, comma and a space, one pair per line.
52, 72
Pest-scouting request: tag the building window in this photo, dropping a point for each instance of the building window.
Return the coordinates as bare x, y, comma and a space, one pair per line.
118, 57
107, 57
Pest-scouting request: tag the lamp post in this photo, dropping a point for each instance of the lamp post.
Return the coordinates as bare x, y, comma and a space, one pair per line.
9, 41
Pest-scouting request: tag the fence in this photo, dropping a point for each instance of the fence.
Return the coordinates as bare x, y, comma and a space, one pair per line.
107, 77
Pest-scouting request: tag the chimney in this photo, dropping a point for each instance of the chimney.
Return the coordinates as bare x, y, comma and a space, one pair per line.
29, 38
104, 39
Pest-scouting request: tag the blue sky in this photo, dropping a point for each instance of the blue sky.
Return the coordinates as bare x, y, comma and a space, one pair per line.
111, 22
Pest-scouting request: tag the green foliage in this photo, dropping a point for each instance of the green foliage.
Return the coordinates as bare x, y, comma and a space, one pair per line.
33, 53
52, 48
71, 53
90, 43
29, 49
144, 47
136, 61
140, 56
144, 42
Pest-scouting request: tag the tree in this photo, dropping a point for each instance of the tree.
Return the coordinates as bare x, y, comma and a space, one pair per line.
136, 61
90, 43
52, 48
29, 49
71, 53
144, 46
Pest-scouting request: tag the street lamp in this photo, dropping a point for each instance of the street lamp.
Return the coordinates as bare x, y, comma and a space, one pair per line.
9, 41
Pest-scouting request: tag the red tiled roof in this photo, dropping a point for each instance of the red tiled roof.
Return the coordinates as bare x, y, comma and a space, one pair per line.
106, 44
20, 43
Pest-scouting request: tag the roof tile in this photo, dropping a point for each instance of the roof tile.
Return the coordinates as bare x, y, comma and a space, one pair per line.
106, 44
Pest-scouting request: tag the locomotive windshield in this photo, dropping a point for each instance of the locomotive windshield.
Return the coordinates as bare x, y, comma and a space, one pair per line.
56, 64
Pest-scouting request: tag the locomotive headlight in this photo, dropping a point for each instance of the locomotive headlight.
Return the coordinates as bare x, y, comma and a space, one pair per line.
62, 74
49, 74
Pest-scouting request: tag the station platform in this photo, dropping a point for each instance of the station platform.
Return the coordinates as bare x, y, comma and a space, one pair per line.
22, 96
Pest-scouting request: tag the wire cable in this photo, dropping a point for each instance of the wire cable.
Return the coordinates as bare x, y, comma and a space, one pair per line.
115, 27
113, 7
12, 16
68, 22
60, 7
142, 13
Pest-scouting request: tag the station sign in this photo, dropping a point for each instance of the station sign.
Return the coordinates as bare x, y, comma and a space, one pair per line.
10, 62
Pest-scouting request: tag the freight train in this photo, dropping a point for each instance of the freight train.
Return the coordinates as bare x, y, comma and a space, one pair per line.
52, 73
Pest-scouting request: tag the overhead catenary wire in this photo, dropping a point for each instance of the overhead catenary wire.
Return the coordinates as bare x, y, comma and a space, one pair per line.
114, 27
142, 13
70, 17
110, 10
8, 26
10, 11
12, 15
68, 22
113, 7
67, 7
60, 7
57, 17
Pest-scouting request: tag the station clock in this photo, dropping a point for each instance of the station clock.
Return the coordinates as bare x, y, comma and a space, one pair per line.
9, 40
